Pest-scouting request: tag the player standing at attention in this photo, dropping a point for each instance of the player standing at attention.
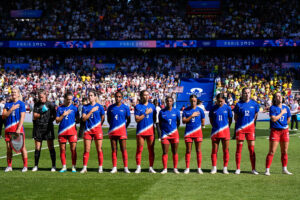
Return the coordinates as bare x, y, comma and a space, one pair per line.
194, 118
118, 117
220, 117
93, 116
245, 115
44, 113
67, 116
145, 114
169, 121
280, 117
14, 114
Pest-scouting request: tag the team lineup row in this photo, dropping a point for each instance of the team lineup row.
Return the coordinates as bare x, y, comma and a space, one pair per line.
146, 116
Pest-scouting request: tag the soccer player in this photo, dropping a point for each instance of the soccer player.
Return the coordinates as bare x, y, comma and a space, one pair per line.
194, 118
14, 114
245, 115
145, 114
220, 117
67, 115
280, 117
169, 121
93, 116
44, 114
118, 117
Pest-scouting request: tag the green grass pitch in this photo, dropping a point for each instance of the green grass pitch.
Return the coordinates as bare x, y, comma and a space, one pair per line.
46, 185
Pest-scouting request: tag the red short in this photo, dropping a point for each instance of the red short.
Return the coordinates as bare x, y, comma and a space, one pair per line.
88, 136
147, 137
65, 138
242, 136
116, 137
170, 140
279, 135
8, 137
196, 139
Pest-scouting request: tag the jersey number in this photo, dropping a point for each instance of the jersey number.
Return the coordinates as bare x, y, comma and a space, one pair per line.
66, 117
116, 117
193, 119
92, 115
247, 113
282, 118
220, 118
170, 121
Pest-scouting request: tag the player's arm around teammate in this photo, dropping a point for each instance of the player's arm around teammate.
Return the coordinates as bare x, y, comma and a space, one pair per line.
118, 116
194, 118
14, 114
93, 116
169, 121
145, 116
220, 117
245, 115
280, 117
67, 115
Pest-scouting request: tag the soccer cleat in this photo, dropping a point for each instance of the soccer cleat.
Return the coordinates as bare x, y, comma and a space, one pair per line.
84, 170
267, 173
200, 171
114, 170
53, 169
126, 170
213, 170
73, 169
138, 169
176, 171
8, 169
35, 168
164, 171
285, 171
187, 171
24, 169
225, 171
63, 170
238, 171
100, 170
254, 172
151, 170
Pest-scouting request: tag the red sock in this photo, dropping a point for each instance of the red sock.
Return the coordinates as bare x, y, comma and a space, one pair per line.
151, 156
9, 161
100, 158
214, 157
125, 158
86, 156
238, 155
175, 160
63, 157
269, 160
74, 157
138, 155
114, 158
199, 159
252, 156
225, 157
284, 159
187, 159
165, 160
25, 161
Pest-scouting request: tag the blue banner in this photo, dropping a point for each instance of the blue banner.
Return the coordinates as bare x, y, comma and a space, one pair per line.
203, 88
26, 13
204, 4
150, 43
16, 66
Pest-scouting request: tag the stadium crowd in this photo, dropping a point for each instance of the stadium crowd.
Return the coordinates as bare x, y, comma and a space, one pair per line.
118, 20
159, 74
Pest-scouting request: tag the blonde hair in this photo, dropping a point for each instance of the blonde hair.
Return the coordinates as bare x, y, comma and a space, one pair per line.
19, 92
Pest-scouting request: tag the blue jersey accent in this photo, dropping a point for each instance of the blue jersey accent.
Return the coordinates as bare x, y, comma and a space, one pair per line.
12, 121
195, 122
246, 113
117, 115
168, 121
147, 122
219, 116
69, 120
95, 118
282, 122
